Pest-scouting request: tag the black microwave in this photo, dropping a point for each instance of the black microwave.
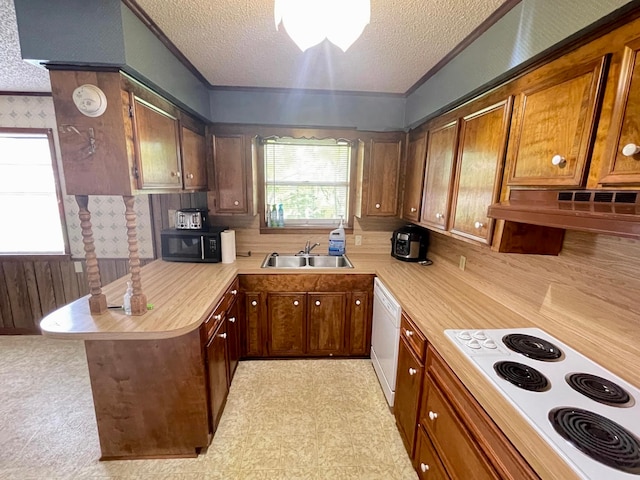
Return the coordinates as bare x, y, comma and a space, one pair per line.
192, 245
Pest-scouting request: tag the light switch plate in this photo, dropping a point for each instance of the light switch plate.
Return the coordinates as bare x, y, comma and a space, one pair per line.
463, 262
77, 266
358, 239
172, 218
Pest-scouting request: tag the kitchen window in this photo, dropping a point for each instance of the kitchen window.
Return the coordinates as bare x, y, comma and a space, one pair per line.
30, 207
310, 178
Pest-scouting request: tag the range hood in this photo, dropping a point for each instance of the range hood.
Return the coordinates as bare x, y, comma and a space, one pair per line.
600, 211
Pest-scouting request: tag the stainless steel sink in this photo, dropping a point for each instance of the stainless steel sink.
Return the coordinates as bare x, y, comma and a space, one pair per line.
273, 260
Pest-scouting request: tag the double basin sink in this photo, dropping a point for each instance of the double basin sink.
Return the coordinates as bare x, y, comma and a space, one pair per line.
274, 260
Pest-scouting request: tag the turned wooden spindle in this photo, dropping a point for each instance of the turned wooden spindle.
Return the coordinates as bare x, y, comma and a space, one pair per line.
97, 300
138, 299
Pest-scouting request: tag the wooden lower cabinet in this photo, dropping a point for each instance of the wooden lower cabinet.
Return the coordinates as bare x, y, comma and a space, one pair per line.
233, 337
359, 323
253, 336
286, 332
408, 389
216, 354
427, 463
326, 324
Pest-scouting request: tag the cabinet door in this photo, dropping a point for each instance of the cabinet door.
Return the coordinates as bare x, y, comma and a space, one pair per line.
326, 330
286, 314
384, 172
233, 339
407, 400
156, 139
253, 325
480, 160
414, 176
359, 324
438, 179
427, 462
623, 166
553, 125
217, 369
194, 160
230, 173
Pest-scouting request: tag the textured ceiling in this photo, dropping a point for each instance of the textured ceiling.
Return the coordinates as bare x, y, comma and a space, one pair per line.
17, 75
235, 43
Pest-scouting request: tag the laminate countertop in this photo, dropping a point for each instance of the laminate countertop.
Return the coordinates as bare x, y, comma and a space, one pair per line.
436, 297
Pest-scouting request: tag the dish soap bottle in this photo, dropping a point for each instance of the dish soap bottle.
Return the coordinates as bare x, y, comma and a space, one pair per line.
126, 302
337, 241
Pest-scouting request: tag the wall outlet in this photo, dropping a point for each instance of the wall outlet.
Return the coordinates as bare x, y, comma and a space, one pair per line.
463, 262
77, 266
358, 239
172, 218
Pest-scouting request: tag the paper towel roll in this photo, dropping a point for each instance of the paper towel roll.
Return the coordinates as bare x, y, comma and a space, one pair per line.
228, 239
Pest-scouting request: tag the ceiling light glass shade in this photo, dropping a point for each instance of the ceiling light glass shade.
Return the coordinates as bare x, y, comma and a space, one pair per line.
309, 22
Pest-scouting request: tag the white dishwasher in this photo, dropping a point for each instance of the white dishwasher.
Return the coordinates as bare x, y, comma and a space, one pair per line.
385, 336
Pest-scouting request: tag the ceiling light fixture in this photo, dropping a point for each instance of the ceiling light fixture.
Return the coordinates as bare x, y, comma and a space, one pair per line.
309, 22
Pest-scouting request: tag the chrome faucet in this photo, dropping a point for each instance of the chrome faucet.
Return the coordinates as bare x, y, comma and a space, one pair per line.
307, 248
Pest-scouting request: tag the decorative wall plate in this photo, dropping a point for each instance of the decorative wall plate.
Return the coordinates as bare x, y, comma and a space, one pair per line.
90, 100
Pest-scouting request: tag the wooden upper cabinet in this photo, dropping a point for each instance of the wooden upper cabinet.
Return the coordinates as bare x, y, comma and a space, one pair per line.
414, 174
383, 178
483, 136
156, 140
230, 154
623, 165
327, 323
194, 160
438, 179
553, 125
286, 329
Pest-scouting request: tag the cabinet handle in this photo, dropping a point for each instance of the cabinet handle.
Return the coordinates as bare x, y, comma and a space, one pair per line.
234, 292
296, 303
222, 335
424, 467
189, 176
408, 333
558, 160
413, 210
232, 319
432, 415
217, 317
236, 203
254, 303
439, 216
317, 303
478, 224
630, 150
358, 302
377, 205
412, 371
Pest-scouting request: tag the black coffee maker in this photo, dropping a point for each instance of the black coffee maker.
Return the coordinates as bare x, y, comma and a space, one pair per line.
410, 243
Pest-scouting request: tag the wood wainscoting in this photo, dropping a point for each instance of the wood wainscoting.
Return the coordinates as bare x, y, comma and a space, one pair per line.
30, 288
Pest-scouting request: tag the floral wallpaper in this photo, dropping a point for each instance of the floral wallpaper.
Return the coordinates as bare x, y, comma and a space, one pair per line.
107, 212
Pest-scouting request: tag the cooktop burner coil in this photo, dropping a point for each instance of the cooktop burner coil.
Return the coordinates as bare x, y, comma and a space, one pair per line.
598, 437
532, 347
600, 389
522, 376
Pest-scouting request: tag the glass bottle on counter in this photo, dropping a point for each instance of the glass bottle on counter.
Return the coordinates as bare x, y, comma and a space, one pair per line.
274, 216
280, 215
268, 216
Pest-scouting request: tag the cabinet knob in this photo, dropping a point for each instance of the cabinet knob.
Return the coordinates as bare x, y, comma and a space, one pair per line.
222, 335
478, 224
432, 415
217, 317
296, 303
317, 303
412, 371
234, 292
254, 303
175, 174
377, 205
558, 160
439, 216
413, 210
232, 319
630, 150
408, 333
358, 302
424, 467
189, 176
236, 203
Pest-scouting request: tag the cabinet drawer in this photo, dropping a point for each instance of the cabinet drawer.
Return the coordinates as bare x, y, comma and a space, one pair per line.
214, 319
408, 388
413, 336
427, 463
459, 453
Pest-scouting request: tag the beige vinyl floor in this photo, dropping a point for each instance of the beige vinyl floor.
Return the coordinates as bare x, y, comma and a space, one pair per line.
284, 419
